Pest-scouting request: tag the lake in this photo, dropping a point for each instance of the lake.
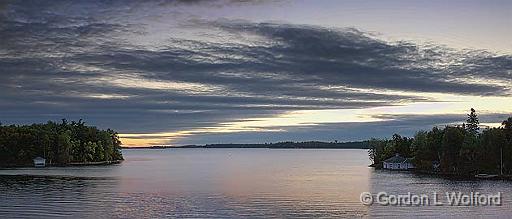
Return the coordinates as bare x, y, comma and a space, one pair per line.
226, 183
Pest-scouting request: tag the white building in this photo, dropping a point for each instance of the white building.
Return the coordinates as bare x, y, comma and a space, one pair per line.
398, 162
39, 162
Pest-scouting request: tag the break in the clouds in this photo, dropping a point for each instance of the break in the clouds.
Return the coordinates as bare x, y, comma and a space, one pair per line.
159, 73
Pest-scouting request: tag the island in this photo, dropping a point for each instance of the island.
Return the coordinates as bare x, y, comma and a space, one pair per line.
59, 144
454, 150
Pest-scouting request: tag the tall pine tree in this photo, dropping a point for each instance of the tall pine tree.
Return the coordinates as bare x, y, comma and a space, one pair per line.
472, 122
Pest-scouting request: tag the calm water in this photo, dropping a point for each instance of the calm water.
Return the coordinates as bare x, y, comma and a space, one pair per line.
206, 183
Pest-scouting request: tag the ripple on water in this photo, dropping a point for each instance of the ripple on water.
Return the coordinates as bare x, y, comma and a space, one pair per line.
216, 184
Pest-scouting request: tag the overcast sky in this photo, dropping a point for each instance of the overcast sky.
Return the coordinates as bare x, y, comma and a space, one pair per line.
196, 72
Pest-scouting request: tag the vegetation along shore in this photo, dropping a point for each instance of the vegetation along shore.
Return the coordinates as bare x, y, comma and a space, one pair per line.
460, 150
61, 144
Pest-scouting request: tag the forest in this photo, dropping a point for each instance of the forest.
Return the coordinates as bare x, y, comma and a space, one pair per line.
60, 143
459, 150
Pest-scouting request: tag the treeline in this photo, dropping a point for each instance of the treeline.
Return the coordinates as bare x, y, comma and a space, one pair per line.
60, 143
280, 145
290, 145
460, 150
321, 145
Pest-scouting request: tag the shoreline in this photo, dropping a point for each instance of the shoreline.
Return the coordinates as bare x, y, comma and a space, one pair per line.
275, 145
187, 147
149, 148
451, 176
96, 163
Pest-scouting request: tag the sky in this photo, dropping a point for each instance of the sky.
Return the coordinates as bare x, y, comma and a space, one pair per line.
198, 72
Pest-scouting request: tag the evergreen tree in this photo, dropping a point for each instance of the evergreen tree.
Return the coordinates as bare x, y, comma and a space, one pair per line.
472, 122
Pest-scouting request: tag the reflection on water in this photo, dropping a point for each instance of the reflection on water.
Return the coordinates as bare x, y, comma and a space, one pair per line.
404, 182
227, 183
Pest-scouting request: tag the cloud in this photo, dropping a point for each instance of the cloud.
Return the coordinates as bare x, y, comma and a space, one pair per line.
349, 56
59, 61
405, 125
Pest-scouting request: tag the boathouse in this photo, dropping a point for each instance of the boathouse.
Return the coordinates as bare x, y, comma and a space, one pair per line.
398, 162
39, 162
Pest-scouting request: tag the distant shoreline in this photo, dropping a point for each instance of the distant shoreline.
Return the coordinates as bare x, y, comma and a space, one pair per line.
279, 145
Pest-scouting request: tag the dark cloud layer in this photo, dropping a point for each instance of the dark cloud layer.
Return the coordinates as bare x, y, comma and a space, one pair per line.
79, 60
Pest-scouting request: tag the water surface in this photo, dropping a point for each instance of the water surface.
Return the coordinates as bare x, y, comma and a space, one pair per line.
227, 183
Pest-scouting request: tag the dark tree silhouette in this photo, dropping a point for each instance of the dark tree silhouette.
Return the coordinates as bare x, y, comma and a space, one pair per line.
472, 122
60, 143
458, 150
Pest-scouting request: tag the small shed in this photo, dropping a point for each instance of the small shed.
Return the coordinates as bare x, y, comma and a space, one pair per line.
39, 162
398, 162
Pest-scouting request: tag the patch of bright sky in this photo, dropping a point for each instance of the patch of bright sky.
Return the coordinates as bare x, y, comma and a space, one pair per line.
448, 104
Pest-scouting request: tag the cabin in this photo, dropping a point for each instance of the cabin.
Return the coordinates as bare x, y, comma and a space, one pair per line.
39, 162
398, 162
